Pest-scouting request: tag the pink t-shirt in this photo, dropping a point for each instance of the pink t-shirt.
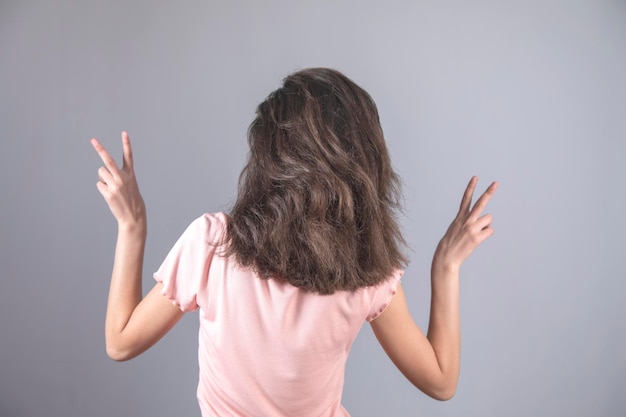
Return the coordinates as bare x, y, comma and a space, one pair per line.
266, 348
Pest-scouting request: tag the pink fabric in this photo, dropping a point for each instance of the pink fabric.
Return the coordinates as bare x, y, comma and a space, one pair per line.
266, 348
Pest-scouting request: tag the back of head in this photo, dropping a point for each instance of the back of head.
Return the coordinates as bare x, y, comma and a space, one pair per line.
317, 198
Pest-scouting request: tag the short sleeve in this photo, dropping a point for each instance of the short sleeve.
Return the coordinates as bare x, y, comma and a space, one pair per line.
184, 272
383, 295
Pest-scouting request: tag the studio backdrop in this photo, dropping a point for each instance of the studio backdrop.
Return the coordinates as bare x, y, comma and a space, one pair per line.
531, 94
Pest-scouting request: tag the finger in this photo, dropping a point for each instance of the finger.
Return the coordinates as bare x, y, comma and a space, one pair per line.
103, 189
109, 162
485, 233
481, 203
484, 221
128, 151
105, 176
467, 195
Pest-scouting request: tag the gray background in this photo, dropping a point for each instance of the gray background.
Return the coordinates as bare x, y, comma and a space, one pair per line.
532, 94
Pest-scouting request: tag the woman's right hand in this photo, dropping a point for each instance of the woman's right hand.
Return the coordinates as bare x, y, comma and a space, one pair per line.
119, 186
467, 231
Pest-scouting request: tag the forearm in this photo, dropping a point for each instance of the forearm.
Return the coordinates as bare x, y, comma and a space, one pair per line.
444, 330
125, 291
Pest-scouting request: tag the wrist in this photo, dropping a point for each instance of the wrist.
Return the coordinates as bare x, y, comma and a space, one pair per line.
136, 228
445, 264
443, 269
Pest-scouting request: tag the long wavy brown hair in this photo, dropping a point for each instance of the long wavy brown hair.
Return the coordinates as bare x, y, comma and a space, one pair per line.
318, 197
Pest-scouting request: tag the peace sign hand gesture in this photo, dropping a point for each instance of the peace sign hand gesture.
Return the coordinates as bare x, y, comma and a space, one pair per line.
467, 231
119, 186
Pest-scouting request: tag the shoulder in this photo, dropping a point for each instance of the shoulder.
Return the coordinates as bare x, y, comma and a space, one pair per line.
211, 227
207, 230
217, 220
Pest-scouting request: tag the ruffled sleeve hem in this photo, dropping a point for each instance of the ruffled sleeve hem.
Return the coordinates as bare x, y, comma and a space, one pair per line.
170, 296
385, 293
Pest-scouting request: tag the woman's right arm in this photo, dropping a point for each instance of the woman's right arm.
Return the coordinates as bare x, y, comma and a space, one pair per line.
133, 323
432, 362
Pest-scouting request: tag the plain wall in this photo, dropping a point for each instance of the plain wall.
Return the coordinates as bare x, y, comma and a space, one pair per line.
531, 94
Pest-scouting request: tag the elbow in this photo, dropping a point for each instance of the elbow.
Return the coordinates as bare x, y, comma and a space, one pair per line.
117, 355
439, 387
443, 394
116, 351
443, 391
440, 390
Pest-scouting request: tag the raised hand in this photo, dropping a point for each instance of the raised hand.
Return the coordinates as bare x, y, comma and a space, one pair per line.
119, 186
467, 231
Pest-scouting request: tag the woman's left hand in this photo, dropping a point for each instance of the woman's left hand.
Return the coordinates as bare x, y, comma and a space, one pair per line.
467, 231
